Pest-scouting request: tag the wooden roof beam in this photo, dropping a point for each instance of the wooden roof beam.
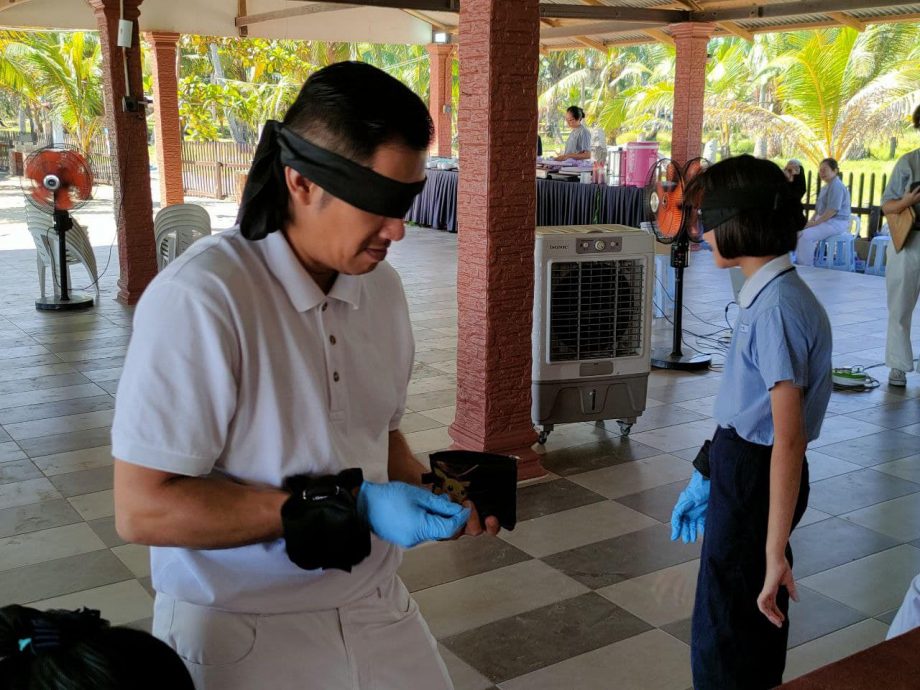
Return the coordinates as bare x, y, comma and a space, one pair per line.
659, 36
736, 30
596, 29
287, 13
788, 9
592, 43
847, 20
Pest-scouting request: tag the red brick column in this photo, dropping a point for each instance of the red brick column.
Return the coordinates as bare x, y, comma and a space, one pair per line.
128, 142
692, 39
440, 103
166, 126
496, 216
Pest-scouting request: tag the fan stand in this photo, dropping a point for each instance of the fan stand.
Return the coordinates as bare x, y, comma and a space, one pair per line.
676, 359
66, 301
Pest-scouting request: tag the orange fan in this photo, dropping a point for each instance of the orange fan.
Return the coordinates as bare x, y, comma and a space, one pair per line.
664, 196
60, 179
693, 168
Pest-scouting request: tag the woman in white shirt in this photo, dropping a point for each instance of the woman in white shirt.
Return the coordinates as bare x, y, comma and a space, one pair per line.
831, 217
578, 145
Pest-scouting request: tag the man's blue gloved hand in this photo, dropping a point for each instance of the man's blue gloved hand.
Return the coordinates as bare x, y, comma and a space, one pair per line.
407, 515
689, 516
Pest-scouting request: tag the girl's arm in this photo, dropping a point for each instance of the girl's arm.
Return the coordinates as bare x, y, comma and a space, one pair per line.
789, 443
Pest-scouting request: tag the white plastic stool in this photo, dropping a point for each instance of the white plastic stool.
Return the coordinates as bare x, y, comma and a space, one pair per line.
837, 252
876, 259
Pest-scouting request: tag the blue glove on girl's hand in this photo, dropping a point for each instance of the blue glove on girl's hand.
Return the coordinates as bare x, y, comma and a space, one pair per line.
689, 516
407, 515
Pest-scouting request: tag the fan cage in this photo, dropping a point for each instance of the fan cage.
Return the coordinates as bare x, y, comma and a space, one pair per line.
596, 309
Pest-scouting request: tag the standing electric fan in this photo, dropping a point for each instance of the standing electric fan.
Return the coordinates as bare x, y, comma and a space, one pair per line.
674, 222
57, 180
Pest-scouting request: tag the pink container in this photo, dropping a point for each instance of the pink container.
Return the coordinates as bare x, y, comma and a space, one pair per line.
640, 157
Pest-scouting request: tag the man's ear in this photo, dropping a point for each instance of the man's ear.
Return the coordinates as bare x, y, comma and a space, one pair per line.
301, 190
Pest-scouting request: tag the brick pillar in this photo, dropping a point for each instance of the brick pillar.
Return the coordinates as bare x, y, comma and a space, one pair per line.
692, 39
167, 129
128, 143
440, 103
496, 216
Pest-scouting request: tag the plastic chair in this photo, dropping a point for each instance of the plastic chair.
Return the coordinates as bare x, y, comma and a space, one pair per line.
876, 260
79, 249
837, 252
176, 227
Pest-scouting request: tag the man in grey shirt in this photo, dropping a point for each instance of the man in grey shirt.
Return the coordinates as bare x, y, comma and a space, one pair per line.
578, 145
902, 275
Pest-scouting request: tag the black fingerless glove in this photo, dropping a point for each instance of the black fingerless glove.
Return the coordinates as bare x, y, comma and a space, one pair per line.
322, 528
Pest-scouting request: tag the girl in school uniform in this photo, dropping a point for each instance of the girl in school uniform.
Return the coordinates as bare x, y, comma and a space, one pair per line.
751, 488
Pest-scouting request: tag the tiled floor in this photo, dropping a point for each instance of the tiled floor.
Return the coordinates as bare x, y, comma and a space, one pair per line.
588, 591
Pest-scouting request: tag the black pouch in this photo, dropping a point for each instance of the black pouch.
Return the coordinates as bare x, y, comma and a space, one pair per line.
322, 528
486, 479
701, 461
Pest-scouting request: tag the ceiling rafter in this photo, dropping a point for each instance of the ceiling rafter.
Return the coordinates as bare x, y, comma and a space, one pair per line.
736, 30
287, 13
847, 20
659, 35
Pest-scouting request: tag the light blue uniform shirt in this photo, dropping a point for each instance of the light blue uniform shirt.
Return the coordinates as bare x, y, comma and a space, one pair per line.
781, 334
579, 140
834, 196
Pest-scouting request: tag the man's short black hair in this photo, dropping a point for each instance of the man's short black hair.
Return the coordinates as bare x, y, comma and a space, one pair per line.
352, 108
753, 232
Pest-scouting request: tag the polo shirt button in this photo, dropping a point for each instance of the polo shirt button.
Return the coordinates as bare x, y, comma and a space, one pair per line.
325, 306
335, 376
332, 339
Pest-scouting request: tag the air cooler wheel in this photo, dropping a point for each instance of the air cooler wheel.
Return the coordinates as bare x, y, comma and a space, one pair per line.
626, 426
544, 434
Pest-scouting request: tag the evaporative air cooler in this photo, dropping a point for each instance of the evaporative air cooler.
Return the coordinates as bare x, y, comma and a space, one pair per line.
591, 324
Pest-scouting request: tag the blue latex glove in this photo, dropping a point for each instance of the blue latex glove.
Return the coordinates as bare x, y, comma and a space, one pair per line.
407, 515
689, 516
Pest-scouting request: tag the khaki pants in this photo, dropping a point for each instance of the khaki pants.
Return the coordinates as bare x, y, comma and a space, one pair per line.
902, 279
379, 642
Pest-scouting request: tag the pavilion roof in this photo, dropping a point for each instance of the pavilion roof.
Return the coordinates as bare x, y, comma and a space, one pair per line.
566, 24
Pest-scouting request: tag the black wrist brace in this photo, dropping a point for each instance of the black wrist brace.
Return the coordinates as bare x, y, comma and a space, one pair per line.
701, 461
322, 528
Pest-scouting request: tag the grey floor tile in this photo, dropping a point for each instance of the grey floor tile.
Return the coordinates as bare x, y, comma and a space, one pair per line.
75, 460
821, 466
43, 382
119, 603
20, 375
37, 516
543, 498
887, 617
83, 482
657, 503
415, 421
48, 410
147, 584
906, 468
440, 562
86, 367
61, 576
898, 518
474, 601
49, 395
22, 431
652, 660
659, 598
428, 401
833, 542
837, 645
665, 415
18, 471
110, 387
9, 451
854, 490
47, 545
24, 493
681, 629
622, 558
816, 615
632, 477
105, 530
529, 641
874, 449
892, 415
62, 443
595, 455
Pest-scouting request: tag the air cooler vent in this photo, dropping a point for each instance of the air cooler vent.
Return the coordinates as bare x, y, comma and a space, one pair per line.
596, 310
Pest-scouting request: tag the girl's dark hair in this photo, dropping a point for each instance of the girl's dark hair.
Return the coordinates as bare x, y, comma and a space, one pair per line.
576, 112
759, 231
916, 118
349, 108
832, 164
77, 650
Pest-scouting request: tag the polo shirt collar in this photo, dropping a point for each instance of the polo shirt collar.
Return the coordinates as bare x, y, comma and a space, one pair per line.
299, 285
765, 275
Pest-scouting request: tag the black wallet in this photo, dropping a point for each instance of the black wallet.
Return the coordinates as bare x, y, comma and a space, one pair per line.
488, 480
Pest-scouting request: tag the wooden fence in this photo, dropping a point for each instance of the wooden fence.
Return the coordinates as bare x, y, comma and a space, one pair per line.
214, 168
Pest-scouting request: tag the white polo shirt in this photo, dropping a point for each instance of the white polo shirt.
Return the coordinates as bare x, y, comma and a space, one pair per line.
239, 364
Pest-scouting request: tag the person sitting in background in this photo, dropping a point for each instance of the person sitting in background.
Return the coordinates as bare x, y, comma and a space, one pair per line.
578, 145
831, 217
902, 273
796, 176
77, 650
